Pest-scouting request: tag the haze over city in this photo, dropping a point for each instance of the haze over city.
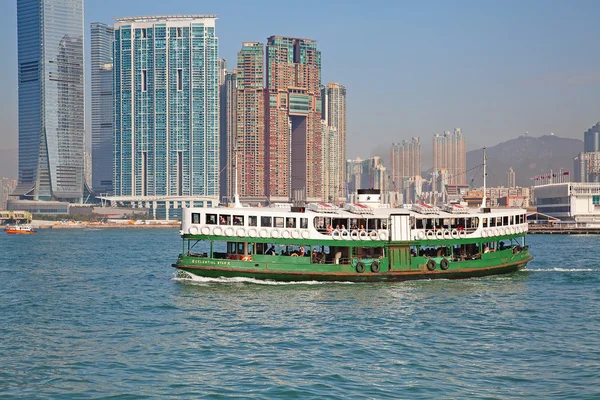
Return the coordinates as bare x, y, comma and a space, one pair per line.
494, 69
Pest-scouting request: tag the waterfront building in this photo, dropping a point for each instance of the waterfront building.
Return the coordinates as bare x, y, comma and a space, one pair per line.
102, 108
591, 139
6, 188
250, 127
586, 167
293, 120
333, 99
449, 152
228, 123
333, 180
571, 202
51, 100
166, 75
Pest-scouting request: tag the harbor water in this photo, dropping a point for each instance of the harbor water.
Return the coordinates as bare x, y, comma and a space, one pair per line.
99, 313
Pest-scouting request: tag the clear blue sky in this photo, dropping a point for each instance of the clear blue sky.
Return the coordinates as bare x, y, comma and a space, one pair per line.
412, 68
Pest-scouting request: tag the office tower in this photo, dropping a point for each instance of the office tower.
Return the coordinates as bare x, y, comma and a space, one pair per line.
250, 138
333, 99
510, 177
591, 139
102, 108
449, 153
293, 127
51, 100
405, 162
334, 178
228, 112
166, 107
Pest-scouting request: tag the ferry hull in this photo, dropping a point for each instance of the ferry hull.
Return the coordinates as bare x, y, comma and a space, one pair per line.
19, 232
209, 271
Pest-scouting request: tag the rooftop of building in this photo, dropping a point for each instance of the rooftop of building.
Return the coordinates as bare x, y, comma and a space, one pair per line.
161, 18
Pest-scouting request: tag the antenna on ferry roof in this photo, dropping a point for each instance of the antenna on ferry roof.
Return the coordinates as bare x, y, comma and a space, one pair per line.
484, 200
236, 197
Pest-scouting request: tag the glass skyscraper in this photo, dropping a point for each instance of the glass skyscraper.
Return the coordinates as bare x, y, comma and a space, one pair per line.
51, 100
102, 108
166, 106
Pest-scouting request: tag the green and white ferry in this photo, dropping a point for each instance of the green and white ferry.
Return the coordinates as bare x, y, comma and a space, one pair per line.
361, 242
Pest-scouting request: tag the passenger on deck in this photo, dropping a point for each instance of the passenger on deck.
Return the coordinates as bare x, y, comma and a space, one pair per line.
314, 256
301, 252
271, 251
329, 228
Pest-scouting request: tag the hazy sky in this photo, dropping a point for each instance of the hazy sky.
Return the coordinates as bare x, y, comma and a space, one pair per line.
496, 69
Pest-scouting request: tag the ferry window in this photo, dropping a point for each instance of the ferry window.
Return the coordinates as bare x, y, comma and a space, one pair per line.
492, 222
278, 222
195, 218
211, 219
265, 221
512, 221
240, 248
505, 220
475, 222
238, 220
499, 221
485, 223
290, 222
252, 220
224, 219
304, 223
419, 223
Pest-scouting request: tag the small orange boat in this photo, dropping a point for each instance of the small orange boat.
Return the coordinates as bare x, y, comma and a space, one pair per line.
19, 230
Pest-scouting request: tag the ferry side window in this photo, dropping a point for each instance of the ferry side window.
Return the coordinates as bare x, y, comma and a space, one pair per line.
485, 223
492, 222
195, 218
238, 220
304, 223
278, 222
505, 221
211, 219
265, 221
290, 222
252, 220
224, 219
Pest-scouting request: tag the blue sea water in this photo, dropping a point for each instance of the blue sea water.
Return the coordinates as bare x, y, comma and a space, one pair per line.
100, 314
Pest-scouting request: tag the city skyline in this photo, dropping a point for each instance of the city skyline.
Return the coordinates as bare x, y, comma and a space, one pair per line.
513, 74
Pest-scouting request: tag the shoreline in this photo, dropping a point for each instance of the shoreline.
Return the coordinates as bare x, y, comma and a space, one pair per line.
106, 226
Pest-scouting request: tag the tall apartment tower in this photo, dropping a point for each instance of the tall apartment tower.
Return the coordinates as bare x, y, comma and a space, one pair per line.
250, 137
334, 183
51, 100
102, 108
449, 153
591, 139
228, 112
293, 126
511, 179
166, 72
333, 99
405, 162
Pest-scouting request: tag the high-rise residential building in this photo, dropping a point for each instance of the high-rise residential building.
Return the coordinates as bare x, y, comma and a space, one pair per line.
334, 183
228, 112
166, 91
222, 71
250, 137
449, 153
405, 162
293, 127
511, 178
591, 139
333, 99
102, 108
367, 174
51, 100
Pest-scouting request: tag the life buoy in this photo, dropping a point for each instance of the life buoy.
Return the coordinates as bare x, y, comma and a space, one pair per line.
360, 267
444, 264
217, 230
375, 267
274, 233
252, 232
263, 233
383, 235
229, 231
247, 258
454, 234
336, 234
294, 255
430, 235
285, 234
447, 234
344, 234
205, 230
420, 235
193, 230
295, 234
373, 235
439, 234
496, 232
363, 235
354, 235
462, 234
431, 264
241, 232
484, 233
305, 234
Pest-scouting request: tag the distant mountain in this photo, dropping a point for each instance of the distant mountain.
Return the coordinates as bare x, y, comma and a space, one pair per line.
8, 163
528, 157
